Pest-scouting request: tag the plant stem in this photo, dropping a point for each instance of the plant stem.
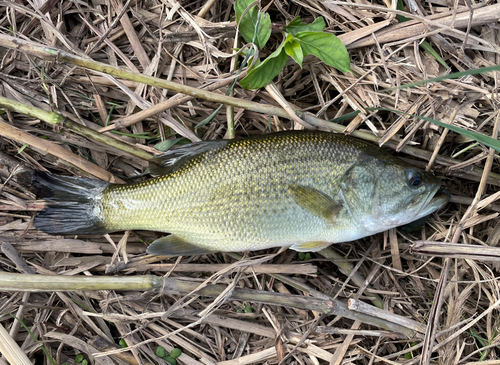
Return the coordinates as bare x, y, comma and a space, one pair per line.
105, 139
57, 55
50, 283
15, 106
57, 119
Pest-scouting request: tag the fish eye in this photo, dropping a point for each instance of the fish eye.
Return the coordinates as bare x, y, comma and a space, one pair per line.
414, 179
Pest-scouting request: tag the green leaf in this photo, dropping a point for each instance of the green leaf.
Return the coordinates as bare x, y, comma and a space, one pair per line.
264, 73
19, 151
253, 29
170, 359
166, 144
160, 351
175, 353
209, 118
401, 7
327, 47
425, 45
240, 6
78, 358
296, 26
248, 309
293, 49
486, 140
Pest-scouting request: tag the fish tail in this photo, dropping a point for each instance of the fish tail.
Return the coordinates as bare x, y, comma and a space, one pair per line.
72, 204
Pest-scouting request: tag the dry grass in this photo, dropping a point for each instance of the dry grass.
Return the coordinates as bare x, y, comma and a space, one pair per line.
266, 308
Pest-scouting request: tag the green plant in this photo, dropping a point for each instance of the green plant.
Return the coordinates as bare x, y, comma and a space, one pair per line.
175, 353
483, 342
168, 357
35, 339
300, 40
245, 308
79, 359
304, 256
409, 355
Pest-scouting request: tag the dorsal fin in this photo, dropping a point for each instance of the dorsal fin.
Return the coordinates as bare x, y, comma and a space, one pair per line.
171, 160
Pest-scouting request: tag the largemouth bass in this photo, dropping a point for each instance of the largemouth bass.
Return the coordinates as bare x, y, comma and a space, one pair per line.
302, 190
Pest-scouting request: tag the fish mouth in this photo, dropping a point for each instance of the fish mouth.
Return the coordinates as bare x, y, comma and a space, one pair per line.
436, 200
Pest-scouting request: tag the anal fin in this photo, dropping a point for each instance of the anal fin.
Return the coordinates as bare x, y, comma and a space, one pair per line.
313, 246
175, 246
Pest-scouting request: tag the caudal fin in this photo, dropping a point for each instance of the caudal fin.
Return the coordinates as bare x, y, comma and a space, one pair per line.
72, 204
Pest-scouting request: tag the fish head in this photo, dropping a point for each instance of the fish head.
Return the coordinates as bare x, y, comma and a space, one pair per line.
383, 192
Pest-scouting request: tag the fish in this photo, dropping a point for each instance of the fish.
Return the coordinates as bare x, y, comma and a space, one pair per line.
302, 190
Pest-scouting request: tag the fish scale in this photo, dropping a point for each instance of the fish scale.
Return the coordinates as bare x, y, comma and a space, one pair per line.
238, 194
298, 189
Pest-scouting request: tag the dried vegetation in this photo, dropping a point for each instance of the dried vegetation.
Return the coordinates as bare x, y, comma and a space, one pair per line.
266, 308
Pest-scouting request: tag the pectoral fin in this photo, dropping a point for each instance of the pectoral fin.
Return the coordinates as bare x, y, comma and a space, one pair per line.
310, 246
175, 246
316, 202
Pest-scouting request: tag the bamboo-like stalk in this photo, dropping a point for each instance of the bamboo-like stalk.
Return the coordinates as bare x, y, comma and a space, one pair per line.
15, 106
50, 283
57, 119
158, 108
